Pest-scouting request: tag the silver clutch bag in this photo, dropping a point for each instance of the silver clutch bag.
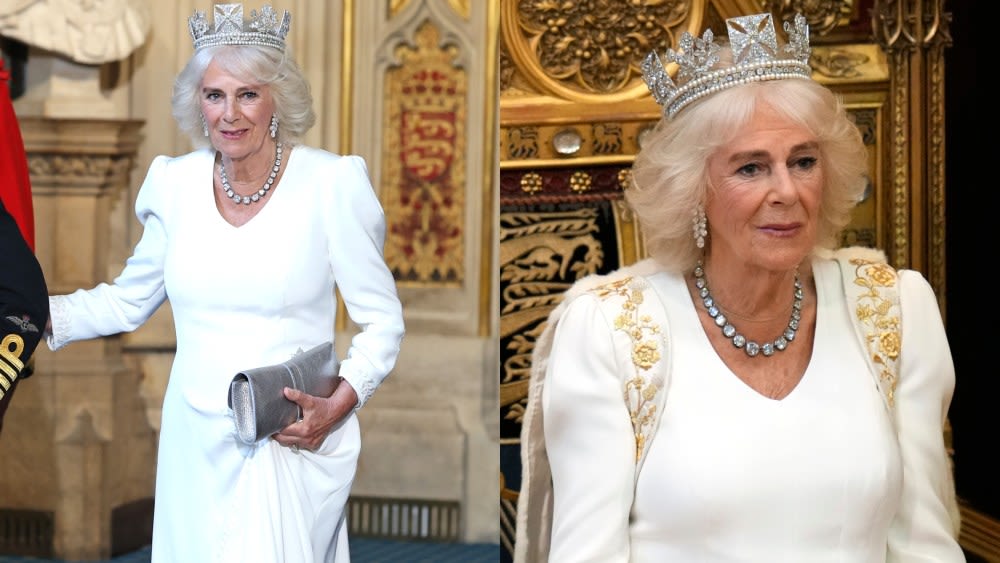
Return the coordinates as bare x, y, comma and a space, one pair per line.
256, 398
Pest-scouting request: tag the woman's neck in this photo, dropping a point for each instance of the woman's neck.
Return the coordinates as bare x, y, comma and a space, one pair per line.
252, 168
752, 294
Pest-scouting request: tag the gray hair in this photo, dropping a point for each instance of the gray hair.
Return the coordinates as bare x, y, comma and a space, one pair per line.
670, 173
263, 65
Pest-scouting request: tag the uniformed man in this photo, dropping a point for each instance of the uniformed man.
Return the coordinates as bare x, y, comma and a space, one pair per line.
24, 306
24, 300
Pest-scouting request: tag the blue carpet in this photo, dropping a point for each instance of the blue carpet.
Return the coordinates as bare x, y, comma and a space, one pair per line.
363, 550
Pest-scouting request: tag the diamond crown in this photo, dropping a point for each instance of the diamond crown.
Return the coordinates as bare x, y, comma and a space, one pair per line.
756, 58
264, 28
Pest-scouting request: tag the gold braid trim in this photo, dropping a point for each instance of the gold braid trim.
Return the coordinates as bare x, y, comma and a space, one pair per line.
641, 389
878, 317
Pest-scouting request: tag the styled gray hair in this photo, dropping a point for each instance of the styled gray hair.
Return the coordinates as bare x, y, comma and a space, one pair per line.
670, 173
262, 65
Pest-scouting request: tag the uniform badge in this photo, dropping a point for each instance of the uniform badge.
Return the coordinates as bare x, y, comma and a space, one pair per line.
23, 323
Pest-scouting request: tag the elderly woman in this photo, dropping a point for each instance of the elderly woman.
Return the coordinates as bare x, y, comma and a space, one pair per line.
748, 393
248, 237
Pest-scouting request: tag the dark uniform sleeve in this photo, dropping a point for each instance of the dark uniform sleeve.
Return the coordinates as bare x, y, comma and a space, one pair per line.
24, 306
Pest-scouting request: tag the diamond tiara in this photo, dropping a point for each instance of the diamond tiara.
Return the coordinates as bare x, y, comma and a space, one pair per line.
262, 29
756, 58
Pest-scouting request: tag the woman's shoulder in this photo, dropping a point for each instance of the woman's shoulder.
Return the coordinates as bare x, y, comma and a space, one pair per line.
322, 158
632, 275
197, 156
174, 163
851, 254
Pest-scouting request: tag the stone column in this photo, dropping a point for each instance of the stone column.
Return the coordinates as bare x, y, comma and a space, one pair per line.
77, 443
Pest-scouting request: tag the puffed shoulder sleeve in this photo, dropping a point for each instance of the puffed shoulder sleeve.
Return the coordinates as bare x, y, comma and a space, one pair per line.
133, 296
589, 438
356, 230
923, 530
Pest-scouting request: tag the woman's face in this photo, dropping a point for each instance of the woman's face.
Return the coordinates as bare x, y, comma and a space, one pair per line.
768, 183
238, 113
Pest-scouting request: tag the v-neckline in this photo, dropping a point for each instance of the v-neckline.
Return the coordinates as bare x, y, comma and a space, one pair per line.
706, 343
275, 194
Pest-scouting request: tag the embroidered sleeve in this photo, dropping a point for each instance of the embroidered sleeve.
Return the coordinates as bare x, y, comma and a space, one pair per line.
641, 341
877, 314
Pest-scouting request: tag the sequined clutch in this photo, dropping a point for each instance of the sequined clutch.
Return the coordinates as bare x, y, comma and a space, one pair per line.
256, 395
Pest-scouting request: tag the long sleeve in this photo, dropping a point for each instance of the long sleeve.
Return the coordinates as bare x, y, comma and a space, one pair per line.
356, 230
133, 296
923, 530
590, 440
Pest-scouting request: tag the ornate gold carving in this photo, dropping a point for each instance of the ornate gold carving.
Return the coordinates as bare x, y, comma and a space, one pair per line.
866, 122
506, 67
538, 263
838, 63
531, 183
936, 175
579, 182
821, 15
624, 178
898, 24
898, 161
425, 196
589, 50
863, 229
600, 141
608, 138
522, 142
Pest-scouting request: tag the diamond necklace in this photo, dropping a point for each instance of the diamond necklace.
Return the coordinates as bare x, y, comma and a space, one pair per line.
729, 331
259, 195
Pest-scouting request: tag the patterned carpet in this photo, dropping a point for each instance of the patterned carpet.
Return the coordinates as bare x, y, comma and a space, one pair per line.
363, 550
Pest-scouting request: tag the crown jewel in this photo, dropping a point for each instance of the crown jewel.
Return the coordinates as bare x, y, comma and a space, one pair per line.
756, 57
262, 29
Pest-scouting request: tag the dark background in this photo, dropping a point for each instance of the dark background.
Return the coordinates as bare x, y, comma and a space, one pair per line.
971, 240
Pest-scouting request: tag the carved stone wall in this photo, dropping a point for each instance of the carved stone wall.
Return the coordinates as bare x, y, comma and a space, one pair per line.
423, 73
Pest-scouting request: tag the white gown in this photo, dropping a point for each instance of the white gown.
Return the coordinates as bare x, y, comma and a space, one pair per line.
244, 297
733, 476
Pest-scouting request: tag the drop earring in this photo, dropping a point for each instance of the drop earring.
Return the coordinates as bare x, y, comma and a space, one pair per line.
699, 226
274, 125
204, 126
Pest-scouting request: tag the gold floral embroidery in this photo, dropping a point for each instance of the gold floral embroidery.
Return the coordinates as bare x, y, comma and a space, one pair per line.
879, 319
639, 390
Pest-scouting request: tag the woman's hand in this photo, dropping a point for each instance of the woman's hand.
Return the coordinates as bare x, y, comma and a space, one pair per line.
319, 415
